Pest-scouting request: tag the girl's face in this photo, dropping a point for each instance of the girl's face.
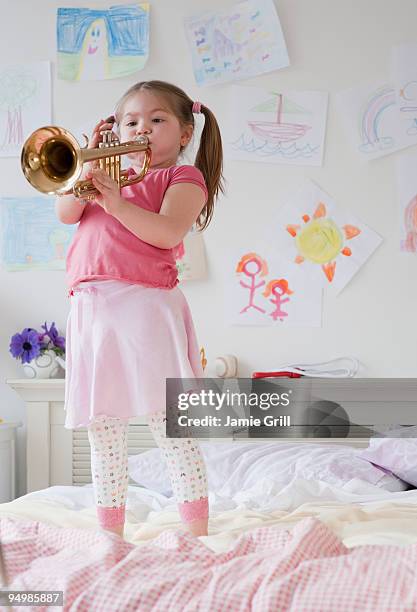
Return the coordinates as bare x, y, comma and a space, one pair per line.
146, 114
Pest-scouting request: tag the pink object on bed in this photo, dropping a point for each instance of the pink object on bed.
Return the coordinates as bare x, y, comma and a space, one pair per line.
307, 568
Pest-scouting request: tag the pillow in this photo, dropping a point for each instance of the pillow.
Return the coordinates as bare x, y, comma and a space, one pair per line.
236, 466
149, 469
397, 453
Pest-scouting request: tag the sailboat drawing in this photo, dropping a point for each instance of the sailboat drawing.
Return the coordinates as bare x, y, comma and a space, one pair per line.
279, 131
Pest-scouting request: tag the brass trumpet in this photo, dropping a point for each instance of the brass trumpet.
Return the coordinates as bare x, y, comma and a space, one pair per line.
52, 161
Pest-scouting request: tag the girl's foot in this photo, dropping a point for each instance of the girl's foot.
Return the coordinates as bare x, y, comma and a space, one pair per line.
198, 528
118, 529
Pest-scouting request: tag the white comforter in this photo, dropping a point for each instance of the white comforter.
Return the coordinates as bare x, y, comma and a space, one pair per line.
358, 513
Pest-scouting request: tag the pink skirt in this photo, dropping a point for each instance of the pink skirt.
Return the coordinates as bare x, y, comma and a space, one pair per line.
123, 340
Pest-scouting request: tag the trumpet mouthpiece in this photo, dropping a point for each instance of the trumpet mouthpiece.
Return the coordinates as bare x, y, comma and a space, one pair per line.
142, 140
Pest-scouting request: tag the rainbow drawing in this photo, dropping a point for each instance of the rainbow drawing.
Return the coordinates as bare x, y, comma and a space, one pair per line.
369, 126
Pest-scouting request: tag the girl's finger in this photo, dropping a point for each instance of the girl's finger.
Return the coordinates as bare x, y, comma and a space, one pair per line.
98, 127
103, 179
102, 173
103, 124
99, 187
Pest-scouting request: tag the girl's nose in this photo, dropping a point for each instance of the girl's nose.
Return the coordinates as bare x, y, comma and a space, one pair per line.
142, 130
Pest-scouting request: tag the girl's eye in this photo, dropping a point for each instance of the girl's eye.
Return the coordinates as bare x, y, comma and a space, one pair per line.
130, 123
158, 120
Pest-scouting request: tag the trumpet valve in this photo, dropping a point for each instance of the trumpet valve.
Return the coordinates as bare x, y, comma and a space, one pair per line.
107, 136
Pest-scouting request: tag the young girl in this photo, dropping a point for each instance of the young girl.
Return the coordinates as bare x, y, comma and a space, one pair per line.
129, 326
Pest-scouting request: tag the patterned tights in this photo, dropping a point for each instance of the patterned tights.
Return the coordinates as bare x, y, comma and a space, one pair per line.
109, 469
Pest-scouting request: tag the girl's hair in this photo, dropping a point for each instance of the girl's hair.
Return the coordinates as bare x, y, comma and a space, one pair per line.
209, 158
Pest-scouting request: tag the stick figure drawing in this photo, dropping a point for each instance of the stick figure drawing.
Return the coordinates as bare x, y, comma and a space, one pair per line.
252, 265
278, 288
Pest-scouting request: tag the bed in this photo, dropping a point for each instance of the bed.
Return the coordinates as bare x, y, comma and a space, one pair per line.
304, 542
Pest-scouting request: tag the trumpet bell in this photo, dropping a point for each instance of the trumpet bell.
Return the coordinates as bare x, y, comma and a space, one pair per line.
51, 160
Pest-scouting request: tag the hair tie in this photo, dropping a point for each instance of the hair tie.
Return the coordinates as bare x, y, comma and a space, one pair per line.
196, 107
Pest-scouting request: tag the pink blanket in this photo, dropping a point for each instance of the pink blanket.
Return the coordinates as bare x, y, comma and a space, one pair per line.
307, 568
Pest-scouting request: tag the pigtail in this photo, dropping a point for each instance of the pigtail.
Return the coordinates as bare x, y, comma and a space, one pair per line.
209, 160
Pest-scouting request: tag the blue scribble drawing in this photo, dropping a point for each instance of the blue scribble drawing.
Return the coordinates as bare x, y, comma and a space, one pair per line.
236, 43
96, 44
32, 236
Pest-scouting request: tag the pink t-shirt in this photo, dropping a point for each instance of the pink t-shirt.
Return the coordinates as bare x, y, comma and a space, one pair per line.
103, 248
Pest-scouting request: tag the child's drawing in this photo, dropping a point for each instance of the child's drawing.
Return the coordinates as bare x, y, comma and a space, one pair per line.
321, 241
330, 244
276, 127
372, 115
408, 105
25, 103
407, 191
251, 265
278, 288
410, 224
236, 43
32, 236
373, 120
404, 76
191, 258
270, 291
96, 44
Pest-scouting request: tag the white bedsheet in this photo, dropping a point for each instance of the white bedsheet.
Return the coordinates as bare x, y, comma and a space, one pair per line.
358, 514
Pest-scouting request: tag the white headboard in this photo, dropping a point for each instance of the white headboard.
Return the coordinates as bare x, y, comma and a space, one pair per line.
59, 456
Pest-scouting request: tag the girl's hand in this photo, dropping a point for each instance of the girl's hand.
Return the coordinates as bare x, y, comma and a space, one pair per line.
109, 198
103, 124
95, 139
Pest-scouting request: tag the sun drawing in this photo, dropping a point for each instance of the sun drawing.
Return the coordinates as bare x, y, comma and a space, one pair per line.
321, 240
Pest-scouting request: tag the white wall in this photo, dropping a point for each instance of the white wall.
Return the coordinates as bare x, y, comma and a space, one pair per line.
332, 44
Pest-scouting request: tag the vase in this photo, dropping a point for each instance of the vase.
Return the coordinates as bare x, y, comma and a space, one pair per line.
43, 366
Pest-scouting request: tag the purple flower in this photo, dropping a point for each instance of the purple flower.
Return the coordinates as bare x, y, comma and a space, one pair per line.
25, 346
52, 332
